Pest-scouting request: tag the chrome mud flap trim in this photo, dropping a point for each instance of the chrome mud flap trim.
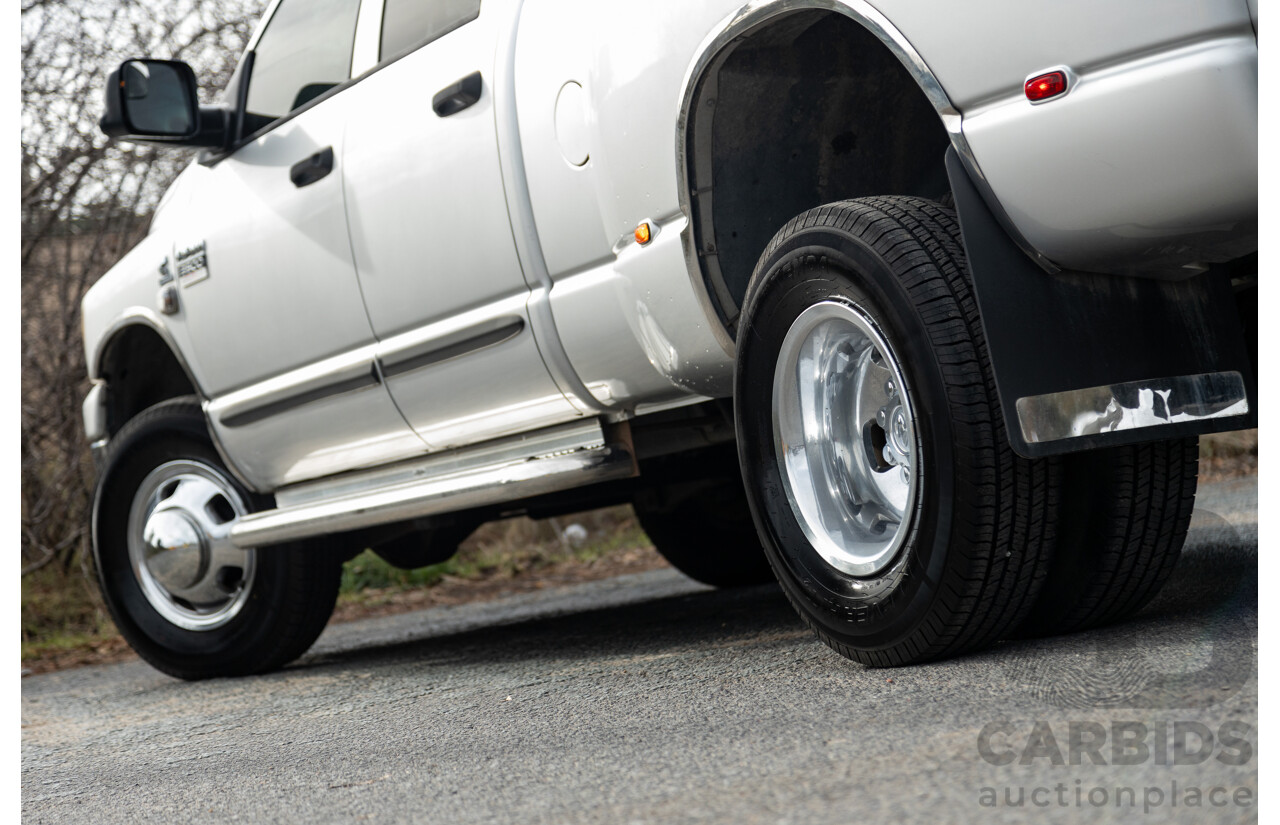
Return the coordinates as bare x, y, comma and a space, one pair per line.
1131, 406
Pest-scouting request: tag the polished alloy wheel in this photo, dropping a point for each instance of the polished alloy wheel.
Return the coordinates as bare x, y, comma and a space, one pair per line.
180, 549
844, 436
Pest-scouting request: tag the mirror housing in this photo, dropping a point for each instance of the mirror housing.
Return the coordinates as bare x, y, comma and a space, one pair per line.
154, 101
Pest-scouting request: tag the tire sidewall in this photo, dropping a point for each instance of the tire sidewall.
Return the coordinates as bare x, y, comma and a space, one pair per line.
814, 265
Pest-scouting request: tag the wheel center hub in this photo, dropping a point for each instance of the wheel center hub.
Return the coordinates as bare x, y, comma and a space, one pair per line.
175, 549
898, 435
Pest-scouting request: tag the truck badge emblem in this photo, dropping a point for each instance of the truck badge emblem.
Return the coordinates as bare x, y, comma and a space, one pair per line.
193, 265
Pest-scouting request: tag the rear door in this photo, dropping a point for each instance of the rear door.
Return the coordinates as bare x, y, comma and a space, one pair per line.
429, 229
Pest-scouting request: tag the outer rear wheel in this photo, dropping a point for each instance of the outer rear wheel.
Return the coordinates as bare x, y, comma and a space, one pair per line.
900, 523
185, 598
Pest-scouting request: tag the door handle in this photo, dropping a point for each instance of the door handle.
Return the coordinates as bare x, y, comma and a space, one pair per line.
312, 169
458, 96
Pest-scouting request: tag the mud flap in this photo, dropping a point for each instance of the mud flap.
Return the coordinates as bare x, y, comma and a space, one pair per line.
1086, 360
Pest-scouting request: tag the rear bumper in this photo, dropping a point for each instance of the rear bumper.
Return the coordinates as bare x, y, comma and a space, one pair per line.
1142, 167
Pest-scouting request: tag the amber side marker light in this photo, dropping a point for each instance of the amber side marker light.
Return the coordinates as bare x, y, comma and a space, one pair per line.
1045, 86
642, 233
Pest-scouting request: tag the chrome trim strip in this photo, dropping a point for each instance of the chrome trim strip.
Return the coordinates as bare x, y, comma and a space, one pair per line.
524, 230
756, 13
487, 334
578, 435
492, 484
1132, 405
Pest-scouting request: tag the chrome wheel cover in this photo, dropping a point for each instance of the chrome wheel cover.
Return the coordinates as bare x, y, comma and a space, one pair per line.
845, 438
180, 545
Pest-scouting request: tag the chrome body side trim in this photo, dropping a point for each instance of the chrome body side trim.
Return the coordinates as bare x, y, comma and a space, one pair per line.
525, 231
1132, 405
430, 491
757, 13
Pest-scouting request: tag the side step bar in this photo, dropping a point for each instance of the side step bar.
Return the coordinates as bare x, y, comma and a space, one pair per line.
546, 462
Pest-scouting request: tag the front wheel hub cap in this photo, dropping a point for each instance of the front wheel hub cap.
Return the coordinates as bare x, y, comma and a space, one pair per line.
845, 437
180, 545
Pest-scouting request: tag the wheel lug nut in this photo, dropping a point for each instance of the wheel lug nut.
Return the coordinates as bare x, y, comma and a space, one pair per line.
906, 476
882, 418
889, 389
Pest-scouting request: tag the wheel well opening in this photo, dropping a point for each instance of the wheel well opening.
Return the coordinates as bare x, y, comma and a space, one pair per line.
140, 371
807, 109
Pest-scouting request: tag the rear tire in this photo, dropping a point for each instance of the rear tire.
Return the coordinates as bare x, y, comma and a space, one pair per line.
916, 533
1128, 513
189, 602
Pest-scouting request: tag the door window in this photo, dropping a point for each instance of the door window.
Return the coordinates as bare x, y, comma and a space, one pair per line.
408, 24
304, 52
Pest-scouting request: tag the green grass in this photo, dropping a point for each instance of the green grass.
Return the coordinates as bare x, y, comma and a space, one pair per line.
507, 548
62, 611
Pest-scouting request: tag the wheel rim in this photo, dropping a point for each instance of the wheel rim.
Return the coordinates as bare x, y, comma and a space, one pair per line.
844, 437
180, 545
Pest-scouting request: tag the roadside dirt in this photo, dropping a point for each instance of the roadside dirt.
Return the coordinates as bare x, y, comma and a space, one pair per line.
375, 602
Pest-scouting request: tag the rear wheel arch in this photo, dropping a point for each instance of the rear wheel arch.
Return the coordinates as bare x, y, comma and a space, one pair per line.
782, 111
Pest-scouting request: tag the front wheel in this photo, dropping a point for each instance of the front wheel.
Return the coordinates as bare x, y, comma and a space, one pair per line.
186, 599
898, 520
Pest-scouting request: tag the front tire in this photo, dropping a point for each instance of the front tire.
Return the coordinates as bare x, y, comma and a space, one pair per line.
188, 601
899, 522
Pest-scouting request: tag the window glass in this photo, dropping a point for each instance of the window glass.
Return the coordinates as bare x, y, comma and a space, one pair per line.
407, 24
304, 51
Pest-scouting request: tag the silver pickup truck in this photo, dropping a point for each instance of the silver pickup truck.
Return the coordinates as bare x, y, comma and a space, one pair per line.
917, 307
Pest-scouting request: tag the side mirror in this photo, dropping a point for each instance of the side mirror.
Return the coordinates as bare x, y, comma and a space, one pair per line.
154, 101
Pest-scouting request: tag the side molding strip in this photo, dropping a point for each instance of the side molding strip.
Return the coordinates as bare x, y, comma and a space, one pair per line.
276, 406
490, 334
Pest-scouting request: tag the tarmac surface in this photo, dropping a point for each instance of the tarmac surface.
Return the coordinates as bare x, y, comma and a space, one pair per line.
649, 698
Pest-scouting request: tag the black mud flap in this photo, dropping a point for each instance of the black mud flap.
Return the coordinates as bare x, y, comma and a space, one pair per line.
1085, 360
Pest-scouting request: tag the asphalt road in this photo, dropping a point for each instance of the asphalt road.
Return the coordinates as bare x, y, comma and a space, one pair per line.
652, 699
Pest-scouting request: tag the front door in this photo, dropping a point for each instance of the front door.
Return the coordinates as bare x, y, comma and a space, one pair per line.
274, 307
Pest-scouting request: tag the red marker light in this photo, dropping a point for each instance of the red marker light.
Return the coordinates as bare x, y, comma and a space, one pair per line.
1045, 86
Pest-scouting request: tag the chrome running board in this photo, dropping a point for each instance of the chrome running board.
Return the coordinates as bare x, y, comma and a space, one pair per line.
548, 461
